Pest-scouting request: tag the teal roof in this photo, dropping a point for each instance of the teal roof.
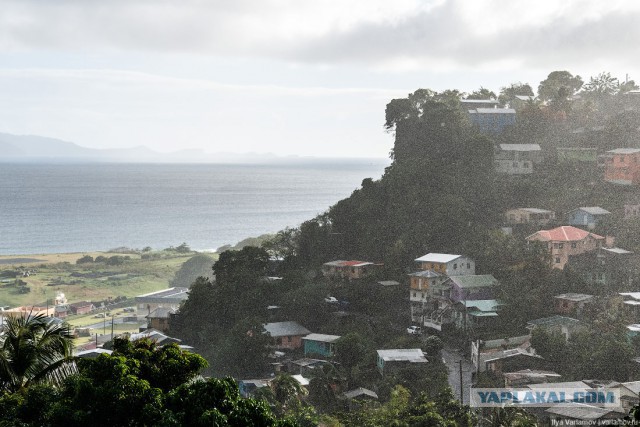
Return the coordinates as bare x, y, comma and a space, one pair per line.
482, 305
483, 314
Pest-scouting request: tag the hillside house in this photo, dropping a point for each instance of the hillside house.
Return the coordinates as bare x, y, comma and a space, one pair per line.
622, 166
387, 360
447, 264
82, 307
504, 355
492, 120
167, 298
629, 393
571, 303
287, 335
346, 269
422, 285
611, 268
321, 344
62, 311
359, 397
528, 376
476, 287
564, 325
478, 315
565, 241
517, 159
529, 216
631, 209
587, 216
249, 387
160, 319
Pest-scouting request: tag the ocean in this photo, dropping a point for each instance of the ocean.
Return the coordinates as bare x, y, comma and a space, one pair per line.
57, 208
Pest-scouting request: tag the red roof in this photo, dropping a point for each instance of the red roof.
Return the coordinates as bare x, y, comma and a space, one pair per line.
353, 263
566, 233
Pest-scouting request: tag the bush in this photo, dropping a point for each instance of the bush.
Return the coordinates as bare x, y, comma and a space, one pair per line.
85, 260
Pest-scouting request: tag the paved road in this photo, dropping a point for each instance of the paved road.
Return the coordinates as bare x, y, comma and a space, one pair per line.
452, 360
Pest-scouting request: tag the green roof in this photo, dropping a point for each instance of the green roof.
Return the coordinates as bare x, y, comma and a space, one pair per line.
552, 321
475, 281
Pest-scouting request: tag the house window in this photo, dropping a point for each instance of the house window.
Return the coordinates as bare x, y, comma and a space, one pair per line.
414, 294
557, 260
561, 245
574, 245
468, 265
455, 266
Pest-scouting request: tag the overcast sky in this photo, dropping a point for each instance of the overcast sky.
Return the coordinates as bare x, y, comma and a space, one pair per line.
281, 76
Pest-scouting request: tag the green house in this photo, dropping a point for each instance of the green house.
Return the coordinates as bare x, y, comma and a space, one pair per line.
320, 344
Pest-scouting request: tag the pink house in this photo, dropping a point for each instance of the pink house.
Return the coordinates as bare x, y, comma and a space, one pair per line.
567, 240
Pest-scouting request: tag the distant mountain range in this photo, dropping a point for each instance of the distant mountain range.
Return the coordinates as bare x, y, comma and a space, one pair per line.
39, 149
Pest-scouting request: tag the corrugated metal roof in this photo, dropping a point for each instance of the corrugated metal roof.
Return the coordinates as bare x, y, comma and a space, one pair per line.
495, 110
474, 281
579, 411
634, 295
388, 283
341, 263
435, 257
593, 210
534, 210
282, 329
360, 391
553, 320
414, 355
322, 337
566, 384
566, 233
574, 297
520, 147
633, 386
624, 151
619, 251
479, 101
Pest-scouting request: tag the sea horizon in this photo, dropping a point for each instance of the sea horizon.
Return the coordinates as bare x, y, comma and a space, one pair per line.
71, 207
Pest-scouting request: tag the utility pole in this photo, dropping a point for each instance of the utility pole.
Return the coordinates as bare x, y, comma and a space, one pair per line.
111, 328
461, 392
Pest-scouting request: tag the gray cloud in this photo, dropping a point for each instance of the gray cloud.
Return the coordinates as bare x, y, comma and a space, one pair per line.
442, 37
433, 37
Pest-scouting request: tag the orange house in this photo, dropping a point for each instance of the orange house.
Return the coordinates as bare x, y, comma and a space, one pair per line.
622, 166
567, 240
286, 335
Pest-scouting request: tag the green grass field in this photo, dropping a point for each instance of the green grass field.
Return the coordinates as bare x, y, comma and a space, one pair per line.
92, 281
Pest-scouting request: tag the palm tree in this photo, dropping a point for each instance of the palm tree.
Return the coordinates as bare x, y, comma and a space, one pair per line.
287, 390
34, 349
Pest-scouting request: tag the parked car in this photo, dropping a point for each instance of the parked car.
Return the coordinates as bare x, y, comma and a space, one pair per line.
414, 330
331, 300
99, 315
